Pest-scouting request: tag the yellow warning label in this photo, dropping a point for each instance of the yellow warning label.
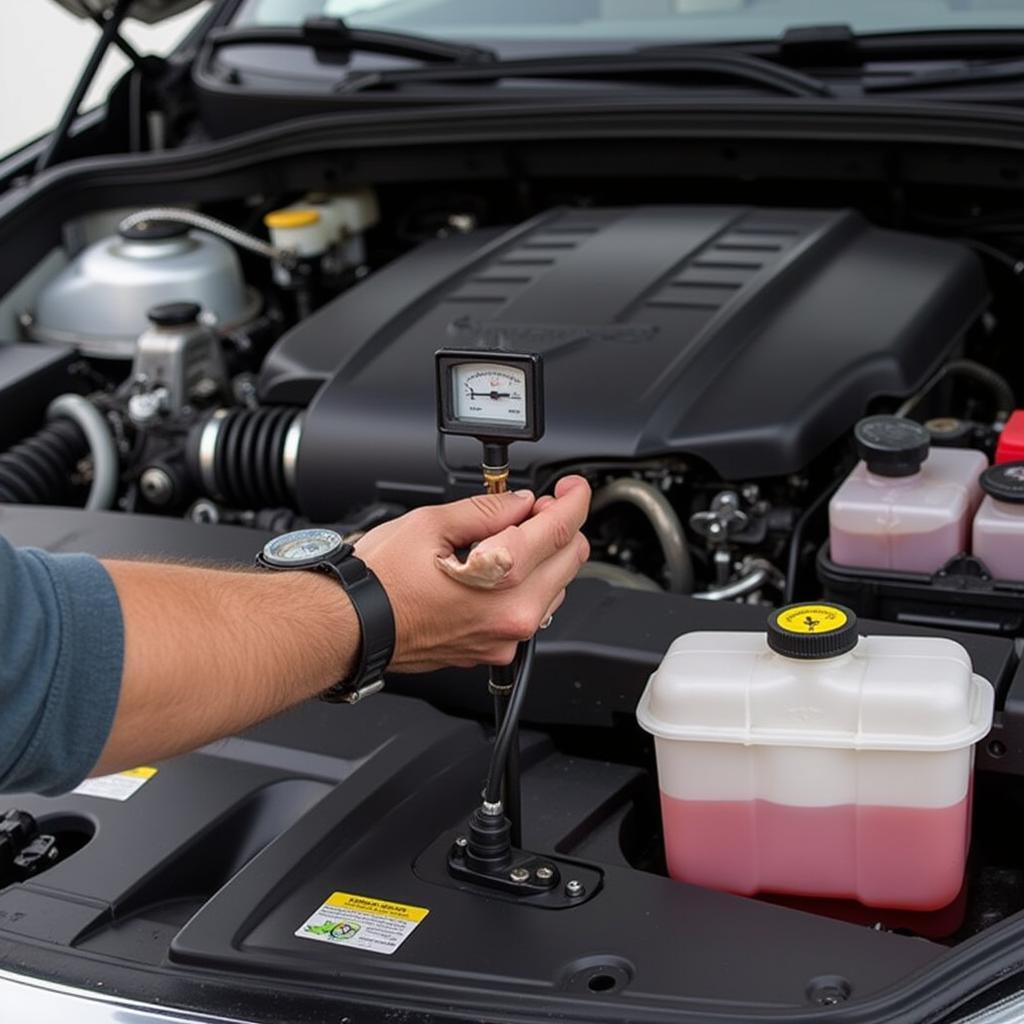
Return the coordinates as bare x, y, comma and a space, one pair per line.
361, 922
398, 911
117, 787
811, 618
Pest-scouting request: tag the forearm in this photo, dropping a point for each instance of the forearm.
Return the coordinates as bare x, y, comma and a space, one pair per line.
210, 652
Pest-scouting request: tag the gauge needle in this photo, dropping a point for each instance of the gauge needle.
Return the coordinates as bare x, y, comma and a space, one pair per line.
489, 394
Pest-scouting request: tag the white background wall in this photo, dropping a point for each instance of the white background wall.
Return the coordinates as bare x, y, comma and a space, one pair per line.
43, 49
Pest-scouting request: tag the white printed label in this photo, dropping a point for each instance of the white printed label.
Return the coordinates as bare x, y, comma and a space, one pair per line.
362, 923
116, 787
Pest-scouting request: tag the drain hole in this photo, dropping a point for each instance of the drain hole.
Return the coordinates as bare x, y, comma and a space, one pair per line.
599, 974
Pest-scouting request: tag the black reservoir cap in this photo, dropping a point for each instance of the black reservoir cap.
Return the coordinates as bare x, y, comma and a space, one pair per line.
174, 314
812, 630
892, 445
1005, 482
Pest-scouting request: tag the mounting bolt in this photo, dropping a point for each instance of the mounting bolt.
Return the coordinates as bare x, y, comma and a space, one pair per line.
156, 485
545, 873
574, 888
462, 842
519, 875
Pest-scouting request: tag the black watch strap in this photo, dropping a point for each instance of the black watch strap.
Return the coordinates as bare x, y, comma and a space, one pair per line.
376, 626
376, 621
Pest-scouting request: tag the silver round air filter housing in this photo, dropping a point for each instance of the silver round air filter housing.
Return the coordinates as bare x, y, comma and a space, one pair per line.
98, 302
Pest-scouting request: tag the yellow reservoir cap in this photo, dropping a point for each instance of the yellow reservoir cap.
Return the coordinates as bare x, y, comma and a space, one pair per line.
812, 630
300, 218
811, 618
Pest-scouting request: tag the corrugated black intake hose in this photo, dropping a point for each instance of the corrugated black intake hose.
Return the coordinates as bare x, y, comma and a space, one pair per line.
38, 471
246, 457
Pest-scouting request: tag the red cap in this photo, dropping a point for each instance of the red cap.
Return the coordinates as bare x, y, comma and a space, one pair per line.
1011, 441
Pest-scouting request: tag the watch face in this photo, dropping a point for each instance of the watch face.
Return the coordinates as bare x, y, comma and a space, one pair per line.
302, 547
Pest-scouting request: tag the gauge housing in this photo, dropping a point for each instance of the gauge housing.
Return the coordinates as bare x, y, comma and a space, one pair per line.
448, 361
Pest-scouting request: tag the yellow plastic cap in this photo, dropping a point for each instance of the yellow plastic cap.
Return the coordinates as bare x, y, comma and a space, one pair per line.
291, 218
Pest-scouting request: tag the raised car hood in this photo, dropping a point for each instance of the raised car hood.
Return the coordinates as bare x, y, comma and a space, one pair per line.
149, 11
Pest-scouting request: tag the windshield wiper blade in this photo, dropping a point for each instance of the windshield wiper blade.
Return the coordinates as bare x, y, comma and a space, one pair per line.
333, 37
967, 74
690, 61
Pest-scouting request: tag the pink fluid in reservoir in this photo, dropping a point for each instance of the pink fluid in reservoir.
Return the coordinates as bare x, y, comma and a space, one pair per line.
910, 858
926, 551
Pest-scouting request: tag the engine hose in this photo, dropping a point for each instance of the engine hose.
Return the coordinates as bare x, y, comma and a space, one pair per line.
37, 471
618, 576
102, 447
663, 519
759, 572
246, 457
997, 385
203, 222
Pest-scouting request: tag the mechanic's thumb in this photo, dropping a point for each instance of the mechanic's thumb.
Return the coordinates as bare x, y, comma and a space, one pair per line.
474, 519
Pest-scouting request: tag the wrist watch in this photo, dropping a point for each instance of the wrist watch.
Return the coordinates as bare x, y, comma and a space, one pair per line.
324, 551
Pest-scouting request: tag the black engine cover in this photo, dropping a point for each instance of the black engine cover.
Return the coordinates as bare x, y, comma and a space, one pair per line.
748, 338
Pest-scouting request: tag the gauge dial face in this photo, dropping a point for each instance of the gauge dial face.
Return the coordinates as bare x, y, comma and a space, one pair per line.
292, 549
489, 393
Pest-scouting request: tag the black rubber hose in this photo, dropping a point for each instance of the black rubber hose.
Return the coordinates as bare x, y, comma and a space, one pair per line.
509, 731
511, 796
38, 470
998, 386
796, 539
245, 464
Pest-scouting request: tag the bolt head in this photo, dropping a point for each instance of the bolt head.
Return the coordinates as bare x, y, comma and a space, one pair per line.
156, 486
574, 887
462, 842
519, 875
545, 873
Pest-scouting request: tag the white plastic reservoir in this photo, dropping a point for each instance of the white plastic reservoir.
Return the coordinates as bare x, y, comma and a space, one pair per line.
811, 761
998, 535
904, 507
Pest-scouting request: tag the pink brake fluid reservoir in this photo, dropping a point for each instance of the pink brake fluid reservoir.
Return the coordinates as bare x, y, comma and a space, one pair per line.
999, 525
903, 507
814, 762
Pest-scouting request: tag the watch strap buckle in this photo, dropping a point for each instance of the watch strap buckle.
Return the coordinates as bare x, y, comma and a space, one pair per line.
351, 694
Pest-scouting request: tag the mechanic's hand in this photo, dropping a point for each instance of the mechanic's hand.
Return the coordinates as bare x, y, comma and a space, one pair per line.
527, 553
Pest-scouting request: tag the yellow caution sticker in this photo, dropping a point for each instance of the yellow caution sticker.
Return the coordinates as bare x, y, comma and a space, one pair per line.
120, 786
811, 618
362, 922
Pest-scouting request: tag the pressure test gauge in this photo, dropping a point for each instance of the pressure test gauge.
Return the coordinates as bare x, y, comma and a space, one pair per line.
496, 397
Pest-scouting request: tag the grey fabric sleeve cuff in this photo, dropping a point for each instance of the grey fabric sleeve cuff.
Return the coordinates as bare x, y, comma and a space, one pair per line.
77, 709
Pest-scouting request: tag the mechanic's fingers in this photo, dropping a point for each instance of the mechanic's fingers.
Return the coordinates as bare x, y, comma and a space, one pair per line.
464, 522
519, 550
554, 606
482, 568
569, 483
549, 579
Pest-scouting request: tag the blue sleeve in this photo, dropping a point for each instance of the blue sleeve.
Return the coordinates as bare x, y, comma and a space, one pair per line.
61, 655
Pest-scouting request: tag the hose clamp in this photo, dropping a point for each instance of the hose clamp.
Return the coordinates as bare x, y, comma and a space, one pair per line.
290, 454
208, 453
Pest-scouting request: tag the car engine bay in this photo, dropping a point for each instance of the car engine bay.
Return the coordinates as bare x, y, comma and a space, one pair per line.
184, 379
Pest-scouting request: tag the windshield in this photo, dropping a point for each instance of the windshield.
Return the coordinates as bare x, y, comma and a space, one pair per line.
607, 21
